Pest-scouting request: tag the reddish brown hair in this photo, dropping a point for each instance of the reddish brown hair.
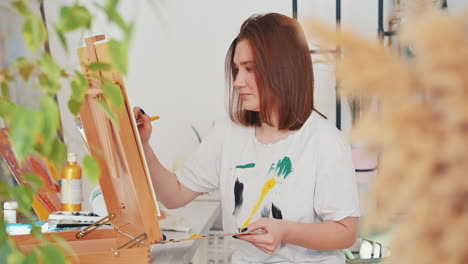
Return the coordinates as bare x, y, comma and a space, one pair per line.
283, 72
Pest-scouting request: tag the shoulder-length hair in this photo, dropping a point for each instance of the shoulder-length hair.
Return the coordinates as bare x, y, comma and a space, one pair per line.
283, 72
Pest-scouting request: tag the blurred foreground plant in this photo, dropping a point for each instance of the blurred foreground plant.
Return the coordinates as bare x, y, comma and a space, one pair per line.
420, 129
35, 130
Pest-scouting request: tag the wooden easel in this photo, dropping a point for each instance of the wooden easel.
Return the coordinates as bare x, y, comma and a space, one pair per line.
125, 180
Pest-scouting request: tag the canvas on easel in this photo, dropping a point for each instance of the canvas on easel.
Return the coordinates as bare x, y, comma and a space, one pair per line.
46, 198
125, 180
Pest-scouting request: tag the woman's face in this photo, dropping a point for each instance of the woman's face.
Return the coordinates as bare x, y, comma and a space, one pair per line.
245, 81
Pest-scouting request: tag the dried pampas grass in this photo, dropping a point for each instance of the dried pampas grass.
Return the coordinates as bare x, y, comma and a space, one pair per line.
414, 8
421, 131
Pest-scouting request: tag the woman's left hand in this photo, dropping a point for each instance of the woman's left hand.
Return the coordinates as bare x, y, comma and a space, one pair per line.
271, 240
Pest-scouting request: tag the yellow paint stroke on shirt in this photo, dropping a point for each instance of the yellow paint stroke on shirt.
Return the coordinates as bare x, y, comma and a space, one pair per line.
266, 188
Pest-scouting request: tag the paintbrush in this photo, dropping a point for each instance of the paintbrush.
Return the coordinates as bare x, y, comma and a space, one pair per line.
153, 118
198, 237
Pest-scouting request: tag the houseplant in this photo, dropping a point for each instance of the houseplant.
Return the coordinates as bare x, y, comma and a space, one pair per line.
35, 129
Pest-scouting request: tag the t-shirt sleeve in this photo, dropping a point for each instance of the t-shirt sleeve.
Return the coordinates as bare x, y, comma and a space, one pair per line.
200, 172
336, 195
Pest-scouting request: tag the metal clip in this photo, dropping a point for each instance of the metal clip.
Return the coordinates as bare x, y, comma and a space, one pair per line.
94, 226
134, 241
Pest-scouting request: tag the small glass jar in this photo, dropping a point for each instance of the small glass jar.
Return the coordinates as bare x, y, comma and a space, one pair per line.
10, 215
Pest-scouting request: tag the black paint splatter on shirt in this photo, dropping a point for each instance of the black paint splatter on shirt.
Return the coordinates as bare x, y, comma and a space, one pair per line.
276, 212
238, 196
265, 212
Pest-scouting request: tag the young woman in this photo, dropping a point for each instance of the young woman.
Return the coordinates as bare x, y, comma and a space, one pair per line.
280, 165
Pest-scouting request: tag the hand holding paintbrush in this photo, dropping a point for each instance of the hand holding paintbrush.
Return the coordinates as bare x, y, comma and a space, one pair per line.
144, 124
153, 118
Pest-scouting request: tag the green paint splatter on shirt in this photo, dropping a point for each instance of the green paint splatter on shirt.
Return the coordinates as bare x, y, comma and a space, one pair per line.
284, 167
246, 166
272, 168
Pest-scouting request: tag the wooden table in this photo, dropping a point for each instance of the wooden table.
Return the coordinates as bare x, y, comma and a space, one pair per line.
200, 215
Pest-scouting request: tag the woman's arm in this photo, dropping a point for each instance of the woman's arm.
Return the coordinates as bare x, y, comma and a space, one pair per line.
170, 192
327, 235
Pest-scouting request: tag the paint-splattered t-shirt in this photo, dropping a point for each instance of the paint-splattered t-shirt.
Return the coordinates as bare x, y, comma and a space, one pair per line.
307, 177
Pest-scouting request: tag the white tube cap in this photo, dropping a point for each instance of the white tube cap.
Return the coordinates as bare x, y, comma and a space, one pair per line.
71, 157
10, 205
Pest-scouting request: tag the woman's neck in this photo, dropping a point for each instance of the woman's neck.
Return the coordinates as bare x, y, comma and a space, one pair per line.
267, 134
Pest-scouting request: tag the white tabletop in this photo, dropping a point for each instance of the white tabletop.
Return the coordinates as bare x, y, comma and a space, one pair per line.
201, 216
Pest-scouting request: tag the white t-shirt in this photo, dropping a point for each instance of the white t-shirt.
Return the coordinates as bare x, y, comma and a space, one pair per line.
314, 181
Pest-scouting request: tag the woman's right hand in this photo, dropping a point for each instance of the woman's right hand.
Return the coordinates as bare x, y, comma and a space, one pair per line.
145, 129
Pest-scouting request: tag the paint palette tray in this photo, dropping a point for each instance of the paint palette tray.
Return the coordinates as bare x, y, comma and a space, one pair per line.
74, 216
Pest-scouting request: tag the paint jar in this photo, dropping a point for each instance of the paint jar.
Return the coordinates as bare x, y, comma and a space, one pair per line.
71, 185
10, 215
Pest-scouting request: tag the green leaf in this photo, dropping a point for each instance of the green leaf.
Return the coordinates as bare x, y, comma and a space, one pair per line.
78, 90
98, 66
79, 86
51, 114
36, 232
74, 106
73, 18
25, 68
5, 75
26, 125
53, 254
46, 83
7, 109
63, 244
58, 154
34, 32
119, 55
113, 14
5, 90
50, 85
4, 192
62, 38
91, 168
43, 149
50, 67
64, 74
113, 94
16, 257
5, 249
3, 238
34, 180
22, 7
31, 258
128, 32
107, 111
24, 196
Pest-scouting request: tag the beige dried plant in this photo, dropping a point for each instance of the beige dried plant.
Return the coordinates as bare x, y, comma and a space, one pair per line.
420, 131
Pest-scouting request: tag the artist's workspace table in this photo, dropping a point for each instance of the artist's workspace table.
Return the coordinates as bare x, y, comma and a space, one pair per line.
200, 215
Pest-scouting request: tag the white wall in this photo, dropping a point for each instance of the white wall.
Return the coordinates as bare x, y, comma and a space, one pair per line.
177, 69
177, 61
